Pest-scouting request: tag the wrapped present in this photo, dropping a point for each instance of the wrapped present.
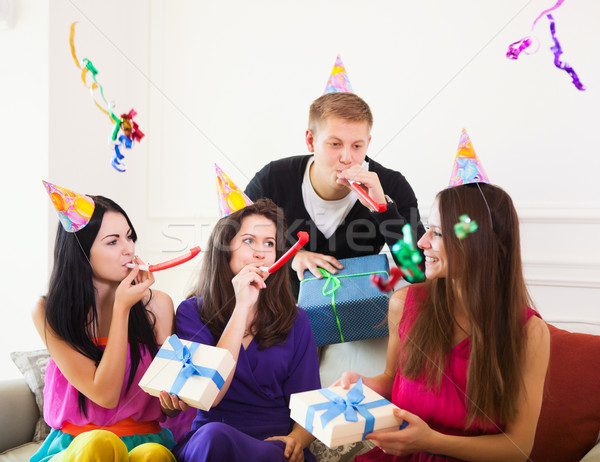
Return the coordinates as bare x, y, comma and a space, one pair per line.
336, 416
190, 370
346, 306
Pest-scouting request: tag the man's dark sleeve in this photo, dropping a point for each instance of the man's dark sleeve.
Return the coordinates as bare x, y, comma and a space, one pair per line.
258, 186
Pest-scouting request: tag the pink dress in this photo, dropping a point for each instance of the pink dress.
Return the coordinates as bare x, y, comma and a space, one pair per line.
61, 407
444, 410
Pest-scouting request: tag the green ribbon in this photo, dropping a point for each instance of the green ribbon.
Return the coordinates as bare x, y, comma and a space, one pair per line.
90, 67
335, 285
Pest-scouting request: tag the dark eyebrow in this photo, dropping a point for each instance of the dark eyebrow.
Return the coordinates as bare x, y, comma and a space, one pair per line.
129, 231
253, 235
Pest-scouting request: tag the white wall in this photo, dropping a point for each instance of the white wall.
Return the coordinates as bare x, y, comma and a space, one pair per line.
24, 148
231, 82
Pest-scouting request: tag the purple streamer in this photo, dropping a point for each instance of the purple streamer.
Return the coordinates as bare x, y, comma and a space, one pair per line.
557, 50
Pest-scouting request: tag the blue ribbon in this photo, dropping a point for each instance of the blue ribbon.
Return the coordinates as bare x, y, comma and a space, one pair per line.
348, 406
184, 354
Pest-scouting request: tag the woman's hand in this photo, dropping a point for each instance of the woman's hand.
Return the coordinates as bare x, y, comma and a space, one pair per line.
171, 405
416, 437
247, 285
294, 451
133, 288
347, 379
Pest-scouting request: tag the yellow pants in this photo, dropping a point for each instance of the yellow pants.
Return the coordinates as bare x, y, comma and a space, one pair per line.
105, 446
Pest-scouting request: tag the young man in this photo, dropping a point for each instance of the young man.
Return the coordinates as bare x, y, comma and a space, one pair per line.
315, 195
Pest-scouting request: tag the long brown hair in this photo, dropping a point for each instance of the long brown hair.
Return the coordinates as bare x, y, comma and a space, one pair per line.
276, 311
485, 277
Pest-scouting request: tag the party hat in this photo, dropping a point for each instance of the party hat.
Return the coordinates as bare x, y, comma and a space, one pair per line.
339, 81
467, 168
74, 210
231, 199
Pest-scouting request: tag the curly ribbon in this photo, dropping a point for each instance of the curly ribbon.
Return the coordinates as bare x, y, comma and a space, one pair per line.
184, 354
557, 50
349, 406
464, 226
89, 67
556, 5
125, 123
335, 285
515, 48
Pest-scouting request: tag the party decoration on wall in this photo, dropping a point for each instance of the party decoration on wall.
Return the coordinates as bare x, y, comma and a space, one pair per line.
516, 48
168, 264
125, 124
557, 50
302, 240
338, 81
230, 197
74, 210
467, 168
408, 258
464, 226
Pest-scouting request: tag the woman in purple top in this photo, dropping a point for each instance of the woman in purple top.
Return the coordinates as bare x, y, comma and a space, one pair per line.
252, 314
467, 357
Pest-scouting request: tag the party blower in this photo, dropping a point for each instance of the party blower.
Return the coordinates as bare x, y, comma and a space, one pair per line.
302, 240
362, 193
169, 263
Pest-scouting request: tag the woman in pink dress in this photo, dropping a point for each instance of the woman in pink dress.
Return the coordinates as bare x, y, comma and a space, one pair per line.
102, 325
467, 357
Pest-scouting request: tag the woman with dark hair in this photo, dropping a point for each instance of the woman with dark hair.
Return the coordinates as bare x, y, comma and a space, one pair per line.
102, 325
256, 318
467, 356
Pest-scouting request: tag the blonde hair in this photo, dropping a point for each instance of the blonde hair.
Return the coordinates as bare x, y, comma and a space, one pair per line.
346, 106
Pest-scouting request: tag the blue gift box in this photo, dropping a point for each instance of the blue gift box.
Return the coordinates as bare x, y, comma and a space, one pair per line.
346, 306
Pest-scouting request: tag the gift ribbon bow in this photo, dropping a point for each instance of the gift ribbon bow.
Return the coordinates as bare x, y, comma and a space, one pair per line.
184, 354
335, 285
349, 406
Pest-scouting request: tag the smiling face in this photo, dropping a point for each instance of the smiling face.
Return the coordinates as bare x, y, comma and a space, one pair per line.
337, 145
253, 244
433, 246
112, 249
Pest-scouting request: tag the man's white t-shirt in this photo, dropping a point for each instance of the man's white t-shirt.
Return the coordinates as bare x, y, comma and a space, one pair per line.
327, 215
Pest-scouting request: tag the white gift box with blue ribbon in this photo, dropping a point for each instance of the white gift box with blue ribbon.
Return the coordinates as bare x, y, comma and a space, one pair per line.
192, 371
336, 416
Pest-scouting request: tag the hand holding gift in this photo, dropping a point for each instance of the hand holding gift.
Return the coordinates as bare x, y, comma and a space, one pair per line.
337, 416
192, 371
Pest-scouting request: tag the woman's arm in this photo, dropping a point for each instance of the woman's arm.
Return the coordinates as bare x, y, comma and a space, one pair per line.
247, 285
102, 382
162, 308
383, 383
514, 444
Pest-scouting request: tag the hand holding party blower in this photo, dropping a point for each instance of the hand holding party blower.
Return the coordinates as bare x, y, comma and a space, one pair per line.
362, 193
168, 264
302, 239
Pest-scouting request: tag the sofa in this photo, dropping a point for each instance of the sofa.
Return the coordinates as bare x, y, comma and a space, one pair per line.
568, 428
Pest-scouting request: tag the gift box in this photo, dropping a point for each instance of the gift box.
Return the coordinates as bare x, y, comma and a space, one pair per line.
190, 370
346, 306
336, 416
